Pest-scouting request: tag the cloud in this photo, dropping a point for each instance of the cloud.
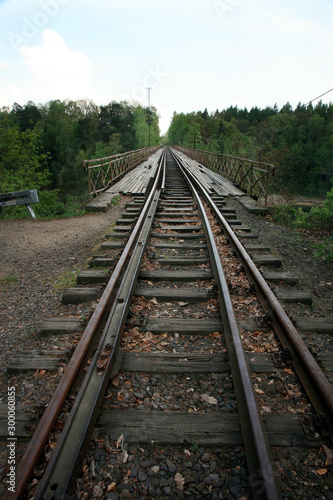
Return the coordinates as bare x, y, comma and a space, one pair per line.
56, 71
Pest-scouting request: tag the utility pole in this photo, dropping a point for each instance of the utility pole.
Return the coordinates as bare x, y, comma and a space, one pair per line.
149, 89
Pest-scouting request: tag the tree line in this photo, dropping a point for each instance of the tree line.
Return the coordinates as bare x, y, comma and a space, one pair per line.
297, 141
43, 146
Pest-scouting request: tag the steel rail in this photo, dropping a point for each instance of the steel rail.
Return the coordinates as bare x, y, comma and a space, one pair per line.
307, 368
47, 422
260, 463
66, 456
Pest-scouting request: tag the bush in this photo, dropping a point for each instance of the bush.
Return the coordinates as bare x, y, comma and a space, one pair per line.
49, 206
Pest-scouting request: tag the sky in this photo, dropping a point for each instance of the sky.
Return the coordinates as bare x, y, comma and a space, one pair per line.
193, 54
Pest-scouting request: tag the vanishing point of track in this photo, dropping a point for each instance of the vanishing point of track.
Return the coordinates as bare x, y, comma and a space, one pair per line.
176, 216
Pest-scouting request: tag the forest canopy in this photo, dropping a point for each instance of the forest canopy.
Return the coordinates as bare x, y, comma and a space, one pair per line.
299, 142
43, 146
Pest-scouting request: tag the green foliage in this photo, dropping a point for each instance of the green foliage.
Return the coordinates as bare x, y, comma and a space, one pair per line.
324, 249
44, 146
22, 164
49, 204
318, 219
298, 142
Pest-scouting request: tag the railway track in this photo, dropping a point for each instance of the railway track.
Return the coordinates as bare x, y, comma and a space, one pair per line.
168, 317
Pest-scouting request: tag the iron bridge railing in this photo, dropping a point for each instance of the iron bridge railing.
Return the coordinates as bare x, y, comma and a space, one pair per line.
103, 172
249, 175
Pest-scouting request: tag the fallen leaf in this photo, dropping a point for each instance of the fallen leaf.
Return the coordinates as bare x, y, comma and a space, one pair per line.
154, 301
180, 481
123, 457
149, 336
329, 455
322, 472
42, 372
98, 492
266, 409
120, 441
258, 391
111, 487
289, 371
208, 399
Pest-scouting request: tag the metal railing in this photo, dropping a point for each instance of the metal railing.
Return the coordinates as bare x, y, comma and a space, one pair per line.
103, 172
249, 175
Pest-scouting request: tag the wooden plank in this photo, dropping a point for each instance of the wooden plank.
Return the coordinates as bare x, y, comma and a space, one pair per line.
60, 326
179, 246
320, 325
197, 326
175, 363
22, 419
182, 261
266, 260
180, 236
43, 359
184, 326
109, 245
192, 362
176, 275
207, 429
173, 295
285, 277
92, 276
80, 295
101, 262
294, 296
183, 229
174, 221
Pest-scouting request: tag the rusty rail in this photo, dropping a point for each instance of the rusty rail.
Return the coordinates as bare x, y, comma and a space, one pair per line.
260, 462
49, 418
103, 172
317, 386
249, 175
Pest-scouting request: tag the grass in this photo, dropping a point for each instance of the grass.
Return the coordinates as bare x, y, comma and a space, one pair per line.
64, 280
8, 280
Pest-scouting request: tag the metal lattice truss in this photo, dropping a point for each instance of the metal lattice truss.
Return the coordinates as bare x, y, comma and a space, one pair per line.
249, 175
103, 172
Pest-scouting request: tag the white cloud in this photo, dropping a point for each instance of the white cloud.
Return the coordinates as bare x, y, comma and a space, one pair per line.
57, 72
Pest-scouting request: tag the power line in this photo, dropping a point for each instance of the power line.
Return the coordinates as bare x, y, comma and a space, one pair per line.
267, 124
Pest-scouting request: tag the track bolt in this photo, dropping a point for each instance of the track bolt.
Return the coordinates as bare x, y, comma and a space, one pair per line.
48, 495
321, 419
306, 420
100, 368
104, 355
108, 346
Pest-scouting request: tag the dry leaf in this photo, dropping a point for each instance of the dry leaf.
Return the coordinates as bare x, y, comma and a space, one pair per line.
98, 492
329, 455
111, 487
120, 441
289, 371
180, 481
123, 457
208, 399
154, 301
266, 409
322, 472
258, 391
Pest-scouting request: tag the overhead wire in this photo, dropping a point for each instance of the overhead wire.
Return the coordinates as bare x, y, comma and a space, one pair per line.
269, 123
